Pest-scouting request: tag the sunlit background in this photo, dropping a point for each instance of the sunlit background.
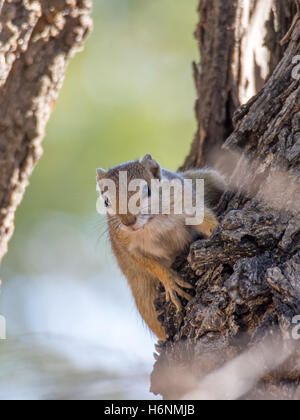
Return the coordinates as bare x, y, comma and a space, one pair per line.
72, 327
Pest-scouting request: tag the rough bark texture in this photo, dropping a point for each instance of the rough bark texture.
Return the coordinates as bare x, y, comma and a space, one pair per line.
37, 39
239, 44
247, 275
217, 89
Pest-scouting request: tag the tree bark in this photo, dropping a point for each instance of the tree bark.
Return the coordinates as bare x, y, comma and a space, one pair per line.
37, 40
247, 275
239, 45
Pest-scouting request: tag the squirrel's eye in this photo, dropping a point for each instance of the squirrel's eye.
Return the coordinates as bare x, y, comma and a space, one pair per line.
106, 202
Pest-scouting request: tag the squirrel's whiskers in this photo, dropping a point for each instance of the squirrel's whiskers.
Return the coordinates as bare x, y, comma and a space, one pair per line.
146, 245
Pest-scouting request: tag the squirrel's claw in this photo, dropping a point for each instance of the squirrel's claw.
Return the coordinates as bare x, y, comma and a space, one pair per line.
171, 296
173, 288
183, 283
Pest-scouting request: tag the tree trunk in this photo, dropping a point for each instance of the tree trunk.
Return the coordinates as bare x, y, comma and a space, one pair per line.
37, 40
236, 337
239, 45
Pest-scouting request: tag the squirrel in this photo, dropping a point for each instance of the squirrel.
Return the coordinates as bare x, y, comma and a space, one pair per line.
146, 246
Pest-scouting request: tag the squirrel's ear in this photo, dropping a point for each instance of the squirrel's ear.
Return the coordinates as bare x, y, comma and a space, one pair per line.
152, 165
100, 173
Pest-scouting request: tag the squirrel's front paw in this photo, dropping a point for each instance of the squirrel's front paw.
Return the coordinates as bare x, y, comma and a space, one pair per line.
208, 225
173, 287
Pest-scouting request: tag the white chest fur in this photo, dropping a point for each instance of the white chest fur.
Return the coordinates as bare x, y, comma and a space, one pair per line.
164, 237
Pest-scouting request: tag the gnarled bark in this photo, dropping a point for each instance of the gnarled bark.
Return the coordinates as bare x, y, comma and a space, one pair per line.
247, 275
37, 40
239, 45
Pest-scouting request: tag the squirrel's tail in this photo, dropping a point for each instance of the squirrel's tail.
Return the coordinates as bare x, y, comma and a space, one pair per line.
214, 183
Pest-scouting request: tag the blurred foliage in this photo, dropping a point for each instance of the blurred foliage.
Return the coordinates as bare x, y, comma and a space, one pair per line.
129, 92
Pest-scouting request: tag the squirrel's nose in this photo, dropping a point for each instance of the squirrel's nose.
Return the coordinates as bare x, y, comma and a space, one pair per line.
128, 219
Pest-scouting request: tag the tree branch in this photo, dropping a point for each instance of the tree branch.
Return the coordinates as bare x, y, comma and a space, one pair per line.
37, 40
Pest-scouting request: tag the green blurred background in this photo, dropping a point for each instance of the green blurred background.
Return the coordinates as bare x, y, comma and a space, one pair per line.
129, 92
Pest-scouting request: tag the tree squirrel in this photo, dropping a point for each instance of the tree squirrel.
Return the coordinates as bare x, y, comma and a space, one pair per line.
146, 246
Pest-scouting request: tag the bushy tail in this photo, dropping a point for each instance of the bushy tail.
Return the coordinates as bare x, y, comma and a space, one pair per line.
214, 183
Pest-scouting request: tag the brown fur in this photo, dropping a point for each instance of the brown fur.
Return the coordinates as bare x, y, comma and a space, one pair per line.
145, 256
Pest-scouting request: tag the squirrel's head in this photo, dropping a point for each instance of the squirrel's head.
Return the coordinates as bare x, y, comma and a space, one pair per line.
126, 191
